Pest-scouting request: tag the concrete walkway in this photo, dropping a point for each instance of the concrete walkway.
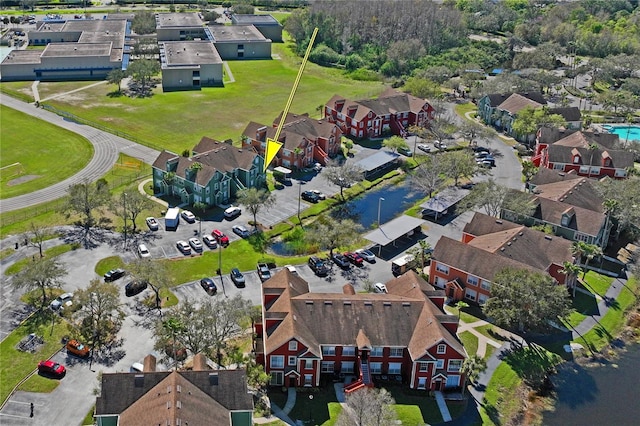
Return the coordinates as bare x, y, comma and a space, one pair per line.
483, 340
442, 405
151, 197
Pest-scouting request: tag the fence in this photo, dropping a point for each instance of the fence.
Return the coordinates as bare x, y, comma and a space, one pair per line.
99, 126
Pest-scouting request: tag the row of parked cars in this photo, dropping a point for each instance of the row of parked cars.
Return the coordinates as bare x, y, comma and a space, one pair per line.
344, 260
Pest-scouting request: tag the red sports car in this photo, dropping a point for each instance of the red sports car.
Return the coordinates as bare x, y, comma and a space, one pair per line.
52, 368
354, 258
219, 235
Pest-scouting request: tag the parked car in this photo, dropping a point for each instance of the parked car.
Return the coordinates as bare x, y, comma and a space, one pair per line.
310, 196
210, 241
379, 288
51, 368
487, 161
62, 301
76, 348
143, 251
195, 244
354, 258
220, 237
188, 216
367, 255
152, 223
237, 278
424, 147
209, 286
292, 269
135, 287
241, 231
184, 247
440, 145
263, 271
319, 194
481, 154
340, 260
468, 185
317, 167
232, 212
405, 151
318, 266
479, 148
114, 274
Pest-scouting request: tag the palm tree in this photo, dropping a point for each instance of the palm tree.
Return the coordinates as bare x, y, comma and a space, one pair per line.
582, 250
173, 325
571, 270
461, 305
610, 206
472, 367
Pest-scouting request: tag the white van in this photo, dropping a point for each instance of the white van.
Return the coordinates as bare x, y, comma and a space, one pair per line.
402, 264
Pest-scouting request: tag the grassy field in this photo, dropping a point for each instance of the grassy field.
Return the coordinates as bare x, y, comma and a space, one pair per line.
15, 365
52, 252
470, 342
38, 147
178, 120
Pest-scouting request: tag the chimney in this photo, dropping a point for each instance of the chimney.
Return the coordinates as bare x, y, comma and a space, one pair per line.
200, 362
149, 364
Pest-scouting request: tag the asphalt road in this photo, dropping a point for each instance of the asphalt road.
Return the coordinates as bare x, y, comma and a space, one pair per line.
106, 146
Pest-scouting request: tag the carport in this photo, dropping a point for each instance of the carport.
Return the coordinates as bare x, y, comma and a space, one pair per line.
444, 200
378, 162
394, 229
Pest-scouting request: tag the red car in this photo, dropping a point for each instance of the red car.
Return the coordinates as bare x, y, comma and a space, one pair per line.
52, 368
220, 237
354, 258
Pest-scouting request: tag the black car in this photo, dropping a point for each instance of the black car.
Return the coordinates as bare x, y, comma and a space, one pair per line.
312, 197
135, 287
237, 277
340, 260
114, 274
208, 285
318, 266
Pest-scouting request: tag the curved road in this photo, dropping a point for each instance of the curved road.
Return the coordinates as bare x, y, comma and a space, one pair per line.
106, 147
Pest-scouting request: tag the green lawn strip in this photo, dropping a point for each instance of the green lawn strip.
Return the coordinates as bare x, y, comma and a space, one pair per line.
500, 399
41, 215
47, 89
277, 396
52, 252
317, 408
167, 298
584, 305
45, 142
262, 84
470, 342
490, 350
491, 331
15, 365
6, 252
88, 419
425, 407
610, 325
462, 109
598, 283
40, 384
109, 263
18, 89
335, 409
34, 296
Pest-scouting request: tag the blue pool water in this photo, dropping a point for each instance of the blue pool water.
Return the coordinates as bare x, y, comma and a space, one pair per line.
624, 132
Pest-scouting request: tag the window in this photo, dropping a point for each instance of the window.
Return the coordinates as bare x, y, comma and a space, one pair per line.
423, 366
582, 237
347, 367
482, 299
395, 352
565, 220
277, 378
291, 360
394, 367
293, 345
348, 350
327, 367
442, 268
441, 349
286, 153
558, 166
277, 361
472, 280
454, 365
422, 382
595, 171
328, 350
486, 285
440, 282
576, 159
440, 364
452, 382
375, 367
620, 173
308, 364
308, 379
376, 351
584, 169
470, 294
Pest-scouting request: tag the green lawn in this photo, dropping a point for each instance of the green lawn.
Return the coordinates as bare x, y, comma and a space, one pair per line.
598, 283
108, 263
178, 120
15, 365
462, 109
52, 252
470, 342
39, 148
500, 399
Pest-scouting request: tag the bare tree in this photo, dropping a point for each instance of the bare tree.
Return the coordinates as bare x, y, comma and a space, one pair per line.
459, 164
85, 198
37, 235
368, 407
154, 273
330, 234
42, 274
129, 205
429, 176
255, 200
342, 175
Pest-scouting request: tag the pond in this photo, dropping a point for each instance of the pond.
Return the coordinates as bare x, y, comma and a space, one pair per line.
364, 209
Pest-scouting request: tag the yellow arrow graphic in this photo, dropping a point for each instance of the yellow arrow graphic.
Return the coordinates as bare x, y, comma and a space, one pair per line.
273, 146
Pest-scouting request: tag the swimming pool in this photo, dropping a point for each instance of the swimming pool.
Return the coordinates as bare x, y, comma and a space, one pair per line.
624, 132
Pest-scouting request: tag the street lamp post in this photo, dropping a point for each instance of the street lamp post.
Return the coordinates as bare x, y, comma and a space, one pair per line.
380, 200
124, 209
299, 194
199, 227
310, 400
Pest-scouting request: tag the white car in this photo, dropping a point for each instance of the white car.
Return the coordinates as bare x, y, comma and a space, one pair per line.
152, 223
292, 269
241, 231
232, 212
62, 301
379, 288
424, 147
183, 247
320, 194
195, 244
143, 251
188, 216
366, 255
210, 241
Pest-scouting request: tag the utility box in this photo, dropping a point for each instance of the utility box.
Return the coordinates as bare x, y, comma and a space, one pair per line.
172, 219
403, 264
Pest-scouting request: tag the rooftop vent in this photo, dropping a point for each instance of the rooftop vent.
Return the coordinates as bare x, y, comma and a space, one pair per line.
498, 221
368, 303
509, 243
548, 237
347, 303
328, 302
521, 233
386, 303
309, 302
